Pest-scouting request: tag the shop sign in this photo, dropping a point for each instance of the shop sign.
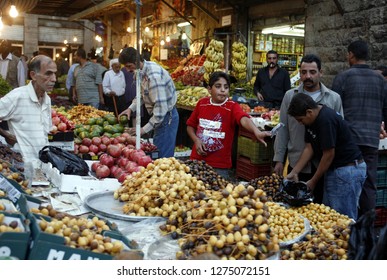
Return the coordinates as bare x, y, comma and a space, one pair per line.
226, 20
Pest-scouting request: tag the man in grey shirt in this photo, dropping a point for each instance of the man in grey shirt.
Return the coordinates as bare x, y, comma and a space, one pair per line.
290, 139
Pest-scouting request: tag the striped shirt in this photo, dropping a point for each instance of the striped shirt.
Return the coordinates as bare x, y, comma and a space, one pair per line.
364, 96
28, 120
86, 80
158, 93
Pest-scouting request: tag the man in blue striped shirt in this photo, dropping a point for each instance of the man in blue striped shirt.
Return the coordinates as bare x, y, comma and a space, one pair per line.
158, 93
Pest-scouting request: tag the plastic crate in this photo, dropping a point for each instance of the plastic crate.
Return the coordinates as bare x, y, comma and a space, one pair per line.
255, 151
381, 197
382, 159
381, 217
245, 169
381, 179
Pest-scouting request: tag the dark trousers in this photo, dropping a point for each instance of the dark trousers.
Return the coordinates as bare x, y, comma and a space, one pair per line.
318, 191
368, 194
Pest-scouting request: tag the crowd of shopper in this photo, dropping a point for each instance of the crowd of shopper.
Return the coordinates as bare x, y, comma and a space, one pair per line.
329, 140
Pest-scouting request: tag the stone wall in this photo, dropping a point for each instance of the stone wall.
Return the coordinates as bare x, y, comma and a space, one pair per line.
329, 32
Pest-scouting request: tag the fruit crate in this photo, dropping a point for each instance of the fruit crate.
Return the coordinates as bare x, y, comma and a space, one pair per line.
381, 197
381, 217
247, 170
381, 178
382, 159
255, 151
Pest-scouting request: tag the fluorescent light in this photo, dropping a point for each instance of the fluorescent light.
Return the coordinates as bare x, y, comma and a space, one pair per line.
290, 30
182, 24
1, 24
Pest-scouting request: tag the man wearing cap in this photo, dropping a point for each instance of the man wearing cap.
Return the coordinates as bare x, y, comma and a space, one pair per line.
158, 93
114, 87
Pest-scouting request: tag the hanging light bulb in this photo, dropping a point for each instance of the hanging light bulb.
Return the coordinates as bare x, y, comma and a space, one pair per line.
147, 29
13, 11
184, 36
168, 39
75, 39
162, 42
65, 42
129, 29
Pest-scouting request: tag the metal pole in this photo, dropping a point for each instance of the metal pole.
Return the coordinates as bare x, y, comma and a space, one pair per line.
138, 82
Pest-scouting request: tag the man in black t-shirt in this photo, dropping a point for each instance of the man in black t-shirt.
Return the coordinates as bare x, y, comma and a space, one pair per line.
329, 139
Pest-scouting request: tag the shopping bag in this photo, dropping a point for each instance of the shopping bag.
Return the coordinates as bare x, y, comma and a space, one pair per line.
64, 161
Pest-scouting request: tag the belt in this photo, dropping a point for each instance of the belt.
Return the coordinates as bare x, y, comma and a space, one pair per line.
355, 162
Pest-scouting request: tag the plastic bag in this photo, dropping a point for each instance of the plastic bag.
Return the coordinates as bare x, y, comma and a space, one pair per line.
363, 238
294, 193
64, 161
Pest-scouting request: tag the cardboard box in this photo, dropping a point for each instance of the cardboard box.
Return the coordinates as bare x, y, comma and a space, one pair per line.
70, 183
182, 154
47, 246
15, 244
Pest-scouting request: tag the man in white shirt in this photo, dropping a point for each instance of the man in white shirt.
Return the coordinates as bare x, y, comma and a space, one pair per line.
11, 67
114, 87
28, 109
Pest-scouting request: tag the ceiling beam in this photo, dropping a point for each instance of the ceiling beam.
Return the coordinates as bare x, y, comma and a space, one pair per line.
109, 25
207, 12
97, 8
177, 12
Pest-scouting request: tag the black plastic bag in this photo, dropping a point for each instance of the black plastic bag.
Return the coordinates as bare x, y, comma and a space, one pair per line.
294, 193
363, 237
379, 251
64, 161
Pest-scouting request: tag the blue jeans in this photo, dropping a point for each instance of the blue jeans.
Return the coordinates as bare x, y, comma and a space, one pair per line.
225, 173
164, 136
342, 188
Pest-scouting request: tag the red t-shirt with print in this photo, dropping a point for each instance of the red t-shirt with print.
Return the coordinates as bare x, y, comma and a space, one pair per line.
215, 126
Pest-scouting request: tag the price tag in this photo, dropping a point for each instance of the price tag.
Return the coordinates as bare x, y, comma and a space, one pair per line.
12, 193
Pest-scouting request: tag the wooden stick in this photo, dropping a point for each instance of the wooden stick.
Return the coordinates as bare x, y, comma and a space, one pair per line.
115, 105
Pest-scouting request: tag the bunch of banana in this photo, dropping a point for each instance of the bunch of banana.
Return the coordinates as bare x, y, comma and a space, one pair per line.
191, 95
239, 60
214, 58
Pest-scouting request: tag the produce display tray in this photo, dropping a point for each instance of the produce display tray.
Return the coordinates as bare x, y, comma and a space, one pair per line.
103, 203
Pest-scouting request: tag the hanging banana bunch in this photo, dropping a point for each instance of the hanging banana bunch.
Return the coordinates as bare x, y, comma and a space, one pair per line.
214, 58
239, 60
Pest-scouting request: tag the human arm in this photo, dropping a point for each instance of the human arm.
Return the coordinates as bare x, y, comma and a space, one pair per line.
21, 74
282, 138
10, 138
199, 145
107, 86
257, 87
248, 124
305, 157
286, 84
100, 92
325, 163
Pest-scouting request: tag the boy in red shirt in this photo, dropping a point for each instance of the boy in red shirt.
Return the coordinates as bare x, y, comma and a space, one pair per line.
212, 124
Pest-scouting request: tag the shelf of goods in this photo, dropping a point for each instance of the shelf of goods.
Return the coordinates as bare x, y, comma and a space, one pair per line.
253, 158
381, 192
289, 49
